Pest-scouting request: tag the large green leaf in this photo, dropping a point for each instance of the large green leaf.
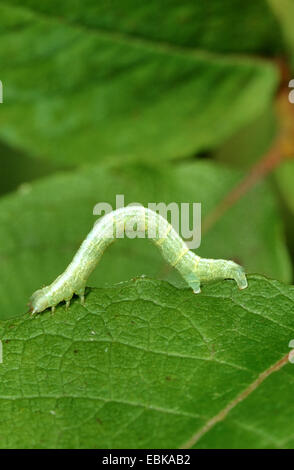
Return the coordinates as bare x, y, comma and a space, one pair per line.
145, 364
211, 26
42, 225
75, 93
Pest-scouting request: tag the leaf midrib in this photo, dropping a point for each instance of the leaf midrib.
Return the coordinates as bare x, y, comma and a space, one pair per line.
221, 415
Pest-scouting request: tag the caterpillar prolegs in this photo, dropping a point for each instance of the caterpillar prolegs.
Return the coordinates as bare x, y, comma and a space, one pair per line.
174, 250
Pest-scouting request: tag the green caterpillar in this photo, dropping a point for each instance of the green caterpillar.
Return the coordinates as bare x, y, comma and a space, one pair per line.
192, 268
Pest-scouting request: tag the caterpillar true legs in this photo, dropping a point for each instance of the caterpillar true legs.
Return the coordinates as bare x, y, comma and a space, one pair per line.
175, 251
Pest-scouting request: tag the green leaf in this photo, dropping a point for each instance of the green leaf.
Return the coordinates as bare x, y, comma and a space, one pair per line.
43, 224
96, 94
145, 364
214, 27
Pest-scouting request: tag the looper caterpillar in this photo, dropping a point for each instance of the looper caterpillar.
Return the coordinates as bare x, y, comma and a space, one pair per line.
193, 268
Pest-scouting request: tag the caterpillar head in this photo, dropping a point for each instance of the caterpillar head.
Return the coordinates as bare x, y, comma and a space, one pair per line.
39, 301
